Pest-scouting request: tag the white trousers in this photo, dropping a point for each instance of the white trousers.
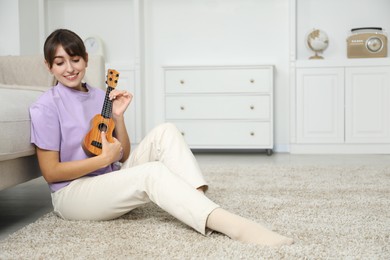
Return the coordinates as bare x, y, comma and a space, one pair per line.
162, 169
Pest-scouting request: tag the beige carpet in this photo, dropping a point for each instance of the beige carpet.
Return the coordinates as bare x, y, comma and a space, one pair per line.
331, 212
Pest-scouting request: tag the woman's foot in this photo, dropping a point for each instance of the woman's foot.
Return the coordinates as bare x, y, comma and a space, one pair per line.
244, 230
252, 232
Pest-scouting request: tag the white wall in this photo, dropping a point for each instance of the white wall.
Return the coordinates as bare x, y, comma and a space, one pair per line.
112, 21
29, 27
9, 27
219, 32
19, 27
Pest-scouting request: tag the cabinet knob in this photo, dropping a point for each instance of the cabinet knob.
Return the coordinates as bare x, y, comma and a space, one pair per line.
182, 107
252, 81
252, 133
182, 82
252, 107
182, 133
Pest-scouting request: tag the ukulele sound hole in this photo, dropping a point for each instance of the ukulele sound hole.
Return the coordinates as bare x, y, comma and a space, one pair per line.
103, 127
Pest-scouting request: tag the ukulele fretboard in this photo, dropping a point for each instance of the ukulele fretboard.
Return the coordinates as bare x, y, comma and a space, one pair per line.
107, 106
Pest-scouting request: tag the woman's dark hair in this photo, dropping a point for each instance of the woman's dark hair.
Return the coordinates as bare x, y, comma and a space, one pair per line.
70, 41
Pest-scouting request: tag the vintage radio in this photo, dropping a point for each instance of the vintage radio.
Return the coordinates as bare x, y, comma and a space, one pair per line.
367, 42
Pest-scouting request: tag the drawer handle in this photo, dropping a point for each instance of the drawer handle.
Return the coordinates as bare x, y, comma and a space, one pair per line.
252, 133
182, 107
252, 107
182, 82
252, 80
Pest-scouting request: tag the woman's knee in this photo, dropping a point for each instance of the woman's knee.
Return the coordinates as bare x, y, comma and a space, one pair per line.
168, 128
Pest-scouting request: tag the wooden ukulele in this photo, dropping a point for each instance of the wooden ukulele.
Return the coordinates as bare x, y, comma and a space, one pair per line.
92, 143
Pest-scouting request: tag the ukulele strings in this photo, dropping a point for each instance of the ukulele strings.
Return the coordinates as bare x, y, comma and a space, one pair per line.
106, 113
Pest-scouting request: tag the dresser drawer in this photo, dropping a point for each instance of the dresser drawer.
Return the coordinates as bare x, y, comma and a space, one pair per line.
218, 107
219, 80
207, 134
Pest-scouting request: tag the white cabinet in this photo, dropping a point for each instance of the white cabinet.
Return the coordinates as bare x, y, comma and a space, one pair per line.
337, 105
320, 105
367, 105
347, 107
221, 107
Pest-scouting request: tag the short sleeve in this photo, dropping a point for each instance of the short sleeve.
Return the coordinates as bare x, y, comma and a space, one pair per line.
45, 127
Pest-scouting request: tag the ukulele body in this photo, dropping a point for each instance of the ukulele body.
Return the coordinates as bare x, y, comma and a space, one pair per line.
92, 143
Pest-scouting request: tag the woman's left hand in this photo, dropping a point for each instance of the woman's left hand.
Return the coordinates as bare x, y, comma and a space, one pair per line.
121, 100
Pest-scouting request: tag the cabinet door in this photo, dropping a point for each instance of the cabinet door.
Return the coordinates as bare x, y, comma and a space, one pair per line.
320, 105
367, 105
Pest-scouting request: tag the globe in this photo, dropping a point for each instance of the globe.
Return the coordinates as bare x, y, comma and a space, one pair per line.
317, 40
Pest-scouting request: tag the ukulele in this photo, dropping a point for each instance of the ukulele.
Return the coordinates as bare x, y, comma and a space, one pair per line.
92, 143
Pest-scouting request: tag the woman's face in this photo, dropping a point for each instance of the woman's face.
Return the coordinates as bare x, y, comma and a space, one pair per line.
68, 70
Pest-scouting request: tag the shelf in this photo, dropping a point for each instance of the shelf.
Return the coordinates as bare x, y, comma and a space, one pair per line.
336, 18
369, 62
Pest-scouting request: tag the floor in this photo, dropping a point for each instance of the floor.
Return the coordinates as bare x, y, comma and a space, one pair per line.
24, 203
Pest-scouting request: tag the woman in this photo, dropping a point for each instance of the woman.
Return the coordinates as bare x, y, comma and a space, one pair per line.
162, 169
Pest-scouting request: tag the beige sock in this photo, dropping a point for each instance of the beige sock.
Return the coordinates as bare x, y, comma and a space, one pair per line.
245, 230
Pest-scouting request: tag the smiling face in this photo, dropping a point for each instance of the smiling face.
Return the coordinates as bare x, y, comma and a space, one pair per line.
66, 58
68, 70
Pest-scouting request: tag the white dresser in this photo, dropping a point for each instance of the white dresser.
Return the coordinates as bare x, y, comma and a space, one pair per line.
221, 107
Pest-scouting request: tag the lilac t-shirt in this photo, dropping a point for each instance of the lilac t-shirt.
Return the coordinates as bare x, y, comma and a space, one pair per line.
61, 118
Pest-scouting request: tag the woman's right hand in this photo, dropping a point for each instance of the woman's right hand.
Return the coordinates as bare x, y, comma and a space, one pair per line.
53, 170
111, 152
